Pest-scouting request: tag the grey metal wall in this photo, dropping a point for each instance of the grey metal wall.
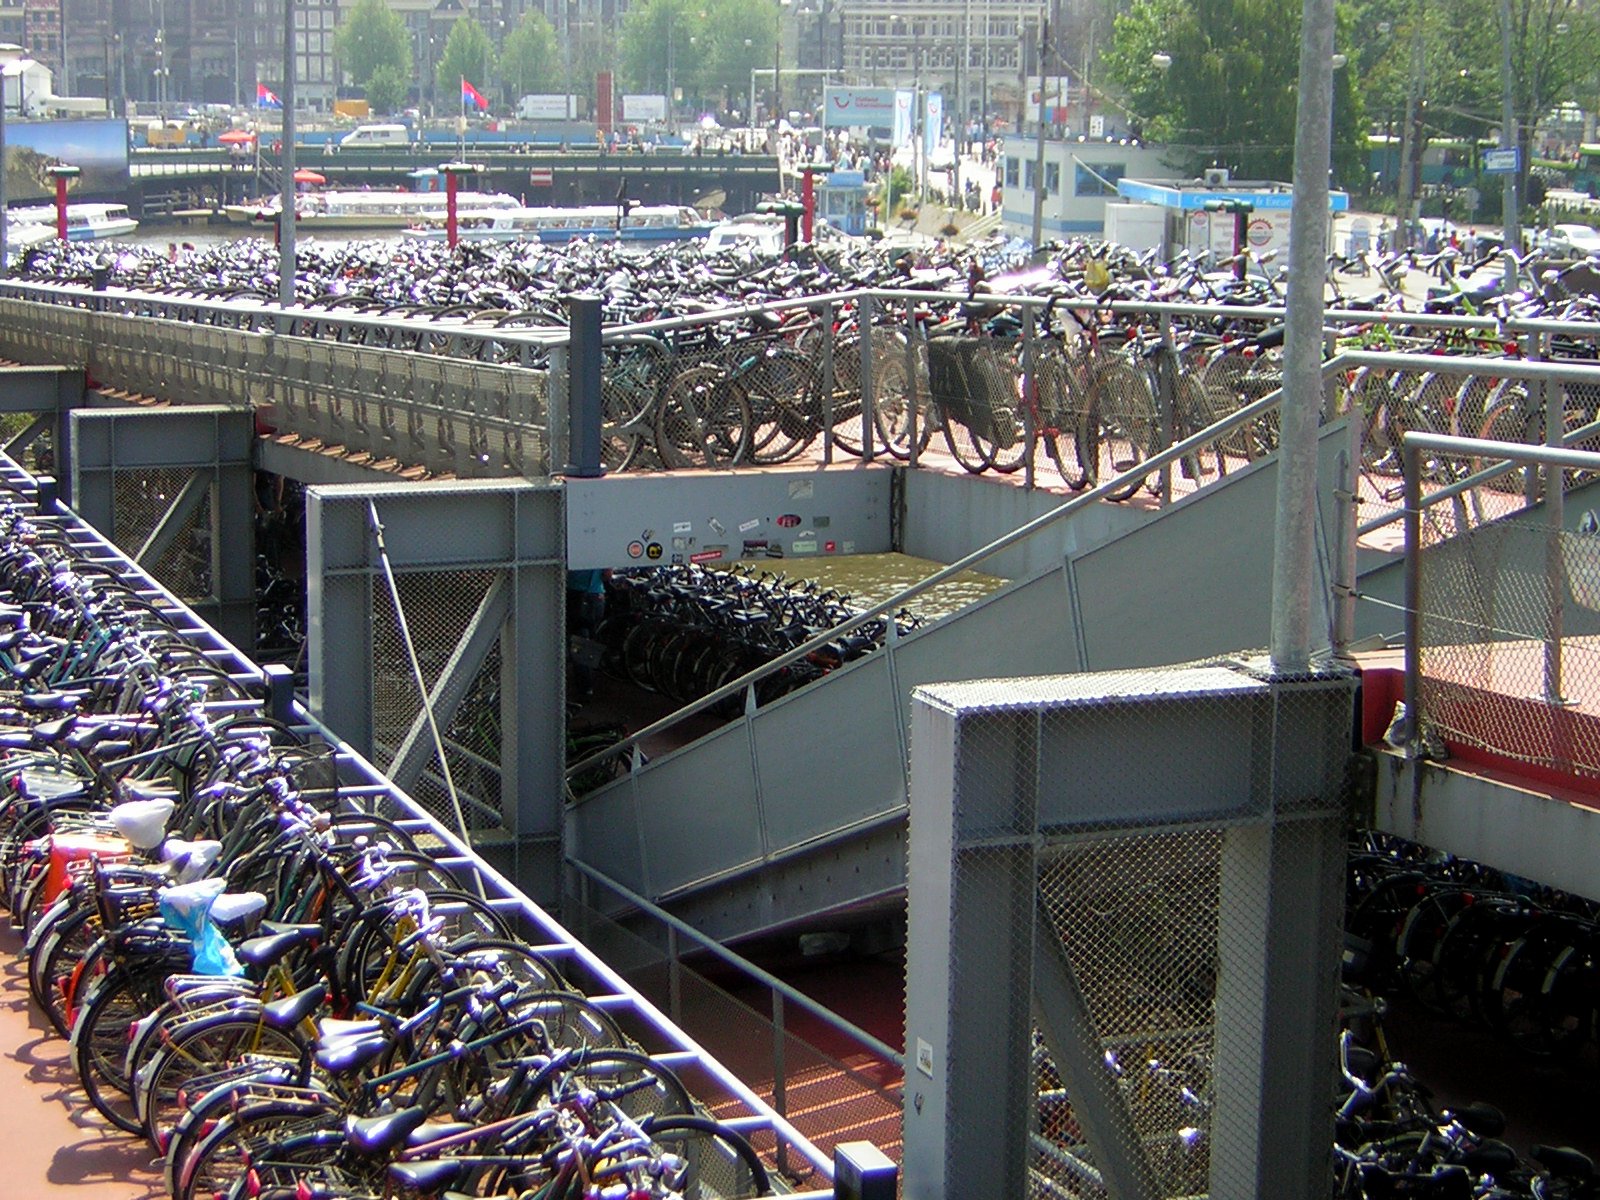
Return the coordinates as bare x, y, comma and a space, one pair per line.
642, 520
799, 808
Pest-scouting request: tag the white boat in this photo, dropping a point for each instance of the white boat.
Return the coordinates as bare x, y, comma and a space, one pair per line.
762, 233
643, 223
366, 210
86, 222
22, 234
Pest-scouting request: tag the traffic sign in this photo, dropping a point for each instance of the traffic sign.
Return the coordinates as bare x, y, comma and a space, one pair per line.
1500, 162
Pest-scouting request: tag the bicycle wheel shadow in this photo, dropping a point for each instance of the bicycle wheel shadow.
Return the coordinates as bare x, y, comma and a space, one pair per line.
52, 1142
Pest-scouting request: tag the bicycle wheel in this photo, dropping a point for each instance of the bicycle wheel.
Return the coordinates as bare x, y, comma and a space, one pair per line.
100, 1042
1127, 423
632, 379
220, 1161
200, 1050
897, 383
703, 420
780, 386
718, 1163
1056, 422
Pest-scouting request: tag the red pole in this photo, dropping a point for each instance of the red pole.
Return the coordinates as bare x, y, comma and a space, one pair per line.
450, 232
61, 207
808, 197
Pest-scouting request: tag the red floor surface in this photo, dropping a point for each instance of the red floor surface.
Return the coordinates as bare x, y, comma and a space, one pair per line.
52, 1144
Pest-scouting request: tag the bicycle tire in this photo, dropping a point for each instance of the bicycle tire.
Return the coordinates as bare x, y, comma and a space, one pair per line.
780, 386
200, 1049
703, 420
718, 1162
1126, 414
99, 1043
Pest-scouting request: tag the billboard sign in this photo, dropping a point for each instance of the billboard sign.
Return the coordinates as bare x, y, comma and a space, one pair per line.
652, 109
98, 147
859, 108
547, 107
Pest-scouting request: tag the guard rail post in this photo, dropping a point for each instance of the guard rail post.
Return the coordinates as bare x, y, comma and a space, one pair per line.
1555, 502
913, 391
866, 311
1030, 387
584, 404
1166, 399
828, 383
780, 1102
674, 978
1411, 458
863, 1172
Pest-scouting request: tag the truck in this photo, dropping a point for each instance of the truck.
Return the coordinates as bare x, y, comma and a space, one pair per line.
365, 137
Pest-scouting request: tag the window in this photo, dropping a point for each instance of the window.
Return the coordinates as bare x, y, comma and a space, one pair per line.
1052, 178
1084, 182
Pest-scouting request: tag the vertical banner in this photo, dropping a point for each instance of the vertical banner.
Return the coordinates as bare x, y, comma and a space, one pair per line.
932, 123
904, 103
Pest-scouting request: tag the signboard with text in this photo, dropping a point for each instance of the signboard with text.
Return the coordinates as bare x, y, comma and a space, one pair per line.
644, 108
858, 108
1500, 162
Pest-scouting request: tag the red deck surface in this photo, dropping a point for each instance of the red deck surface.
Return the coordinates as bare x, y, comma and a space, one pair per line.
52, 1144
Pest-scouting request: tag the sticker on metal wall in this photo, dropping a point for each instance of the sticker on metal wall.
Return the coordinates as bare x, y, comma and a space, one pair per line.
717, 527
801, 489
788, 520
747, 526
709, 554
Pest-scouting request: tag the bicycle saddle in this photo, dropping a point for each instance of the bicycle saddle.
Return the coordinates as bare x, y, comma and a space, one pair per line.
373, 1135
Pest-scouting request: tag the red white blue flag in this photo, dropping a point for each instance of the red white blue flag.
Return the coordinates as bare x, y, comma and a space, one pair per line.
265, 98
471, 95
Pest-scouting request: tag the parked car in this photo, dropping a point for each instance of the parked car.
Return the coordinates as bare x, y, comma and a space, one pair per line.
1570, 241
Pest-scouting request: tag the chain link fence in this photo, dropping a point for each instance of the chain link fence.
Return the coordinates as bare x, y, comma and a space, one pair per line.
437, 606
142, 500
1510, 647
1141, 916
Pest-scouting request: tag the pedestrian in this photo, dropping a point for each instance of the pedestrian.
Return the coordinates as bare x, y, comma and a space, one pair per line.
1472, 247
994, 198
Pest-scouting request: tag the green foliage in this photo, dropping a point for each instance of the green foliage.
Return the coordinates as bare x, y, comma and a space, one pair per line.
713, 45
372, 38
467, 55
1228, 95
530, 61
387, 88
899, 187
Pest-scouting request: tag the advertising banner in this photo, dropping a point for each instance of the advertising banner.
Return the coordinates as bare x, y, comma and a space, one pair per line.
904, 118
649, 109
99, 147
858, 108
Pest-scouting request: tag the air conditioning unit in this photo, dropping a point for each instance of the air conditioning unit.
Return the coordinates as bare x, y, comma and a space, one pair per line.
1215, 176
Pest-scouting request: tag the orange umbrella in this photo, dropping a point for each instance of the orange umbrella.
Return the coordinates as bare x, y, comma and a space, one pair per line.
307, 175
237, 137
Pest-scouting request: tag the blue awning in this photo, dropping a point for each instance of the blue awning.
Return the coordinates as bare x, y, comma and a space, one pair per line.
1190, 199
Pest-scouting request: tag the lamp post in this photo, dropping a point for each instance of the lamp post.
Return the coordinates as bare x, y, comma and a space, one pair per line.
1038, 144
1511, 236
452, 172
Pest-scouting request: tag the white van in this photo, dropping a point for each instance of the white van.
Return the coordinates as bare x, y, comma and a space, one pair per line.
376, 135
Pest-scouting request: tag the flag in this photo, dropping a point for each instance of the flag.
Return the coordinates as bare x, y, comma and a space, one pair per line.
266, 98
471, 95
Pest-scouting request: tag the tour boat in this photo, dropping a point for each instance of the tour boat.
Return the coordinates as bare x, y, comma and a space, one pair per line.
86, 222
642, 223
343, 209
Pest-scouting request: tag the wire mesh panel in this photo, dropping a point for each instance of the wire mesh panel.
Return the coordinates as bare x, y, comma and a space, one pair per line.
1510, 645
143, 500
1123, 933
436, 607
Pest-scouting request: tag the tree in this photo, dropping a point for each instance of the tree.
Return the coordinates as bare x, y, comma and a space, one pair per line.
371, 40
387, 88
1217, 80
529, 60
467, 55
713, 45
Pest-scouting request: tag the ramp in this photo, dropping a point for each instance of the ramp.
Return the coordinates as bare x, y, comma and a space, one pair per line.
799, 808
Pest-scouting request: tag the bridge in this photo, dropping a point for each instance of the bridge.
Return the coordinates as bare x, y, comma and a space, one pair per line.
542, 176
795, 814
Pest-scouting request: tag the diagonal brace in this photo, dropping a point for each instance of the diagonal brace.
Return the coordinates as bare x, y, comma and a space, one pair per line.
416, 748
175, 519
1062, 1015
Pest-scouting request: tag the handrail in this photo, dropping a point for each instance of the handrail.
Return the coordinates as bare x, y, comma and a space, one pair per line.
1149, 466
826, 1015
